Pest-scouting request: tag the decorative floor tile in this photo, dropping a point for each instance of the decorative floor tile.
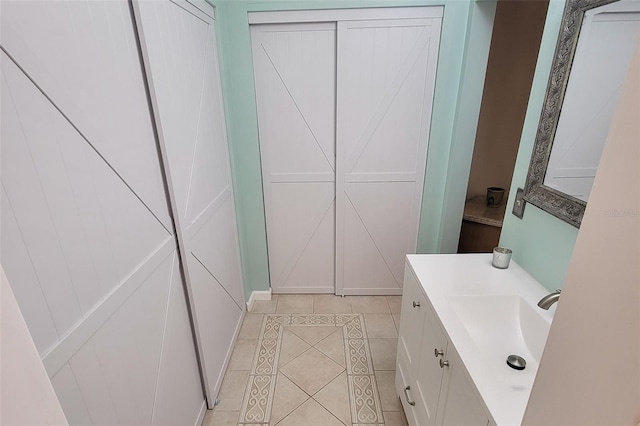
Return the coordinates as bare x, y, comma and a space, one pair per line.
365, 402
312, 369
358, 357
313, 319
258, 399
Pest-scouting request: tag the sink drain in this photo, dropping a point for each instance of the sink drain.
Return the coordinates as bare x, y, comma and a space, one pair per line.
516, 361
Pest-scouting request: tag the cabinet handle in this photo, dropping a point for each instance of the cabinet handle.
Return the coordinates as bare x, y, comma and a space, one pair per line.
416, 304
444, 364
406, 395
437, 352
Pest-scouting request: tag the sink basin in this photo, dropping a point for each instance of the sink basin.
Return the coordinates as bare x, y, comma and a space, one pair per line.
501, 325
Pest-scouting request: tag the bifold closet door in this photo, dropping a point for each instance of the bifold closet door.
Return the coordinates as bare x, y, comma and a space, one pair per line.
87, 237
386, 75
294, 68
180, 54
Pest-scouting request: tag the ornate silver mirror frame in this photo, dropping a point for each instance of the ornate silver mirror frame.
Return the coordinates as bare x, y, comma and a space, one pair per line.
559, 204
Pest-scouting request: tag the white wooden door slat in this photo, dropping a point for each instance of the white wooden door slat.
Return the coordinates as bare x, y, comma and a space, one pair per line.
178, 397
92, 383
71, 399
208, 212
387, 100
293, 97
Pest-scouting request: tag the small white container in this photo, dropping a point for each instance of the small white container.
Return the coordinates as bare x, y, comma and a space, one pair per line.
501, 257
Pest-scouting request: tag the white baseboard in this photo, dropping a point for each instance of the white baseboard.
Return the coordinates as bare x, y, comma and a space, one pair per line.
258, 295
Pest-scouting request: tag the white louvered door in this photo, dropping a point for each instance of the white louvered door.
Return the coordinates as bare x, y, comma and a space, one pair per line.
180, 49
344, 113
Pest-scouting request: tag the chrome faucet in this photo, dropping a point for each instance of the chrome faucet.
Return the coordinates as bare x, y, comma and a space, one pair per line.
551, 298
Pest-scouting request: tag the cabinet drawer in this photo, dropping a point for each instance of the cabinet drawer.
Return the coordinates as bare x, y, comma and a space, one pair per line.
403, 380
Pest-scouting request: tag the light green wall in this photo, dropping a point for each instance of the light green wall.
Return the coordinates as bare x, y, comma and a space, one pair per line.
450, 127
541, 243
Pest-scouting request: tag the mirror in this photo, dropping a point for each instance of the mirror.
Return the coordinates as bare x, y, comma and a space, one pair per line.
596, 42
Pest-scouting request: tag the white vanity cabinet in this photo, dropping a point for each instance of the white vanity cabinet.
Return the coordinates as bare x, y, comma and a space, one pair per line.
431, 380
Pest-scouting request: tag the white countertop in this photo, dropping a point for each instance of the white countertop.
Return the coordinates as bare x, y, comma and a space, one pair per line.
505, 391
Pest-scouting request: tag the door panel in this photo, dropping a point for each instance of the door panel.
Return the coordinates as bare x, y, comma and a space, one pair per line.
84, 229
294, 68
63, 47
180, 52
88, 242
386, 75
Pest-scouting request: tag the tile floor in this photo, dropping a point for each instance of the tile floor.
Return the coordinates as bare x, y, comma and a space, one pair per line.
323, 360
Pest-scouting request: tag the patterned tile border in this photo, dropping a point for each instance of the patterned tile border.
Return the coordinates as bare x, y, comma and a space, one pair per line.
364, 397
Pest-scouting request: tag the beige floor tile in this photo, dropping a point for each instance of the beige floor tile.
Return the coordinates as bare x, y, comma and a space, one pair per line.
287, 397
383, 353
335, 398
291, 347
242, 355
232, 390
333, 346
312, 335
369, 304
220, 418
295, 304
395, 303
310, 413
312, 370
387, 388
265, 306
380, 325
330, 304
394, 418
251, 326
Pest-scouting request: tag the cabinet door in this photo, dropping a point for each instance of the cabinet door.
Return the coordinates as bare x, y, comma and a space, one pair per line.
294, 70
414, 305
431, 374
385, 79
460, 403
